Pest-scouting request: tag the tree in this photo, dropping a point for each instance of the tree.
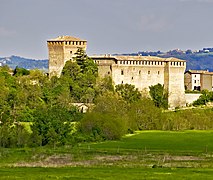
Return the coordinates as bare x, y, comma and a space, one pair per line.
52, 125
159, 96
144, 115
104, 85
205, 97
108, 119
128, 92
79, 76
20, 71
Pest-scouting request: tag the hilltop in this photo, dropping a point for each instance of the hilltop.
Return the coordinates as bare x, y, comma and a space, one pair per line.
26, 63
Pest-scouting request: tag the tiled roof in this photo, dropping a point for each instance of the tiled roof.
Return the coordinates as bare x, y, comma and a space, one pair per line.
66, 38
137, 58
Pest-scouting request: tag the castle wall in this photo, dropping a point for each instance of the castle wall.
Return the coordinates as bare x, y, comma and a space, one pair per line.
56, 58
143, 72
190, 98
188, 81
140, 76
207, 82
105, 67
70, 48
61, 50
174, 83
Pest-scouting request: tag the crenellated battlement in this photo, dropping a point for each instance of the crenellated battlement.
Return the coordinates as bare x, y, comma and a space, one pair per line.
145, 71
61, 50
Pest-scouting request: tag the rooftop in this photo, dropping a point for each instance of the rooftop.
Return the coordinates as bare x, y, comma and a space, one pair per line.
66, 38
198, 71
137, 58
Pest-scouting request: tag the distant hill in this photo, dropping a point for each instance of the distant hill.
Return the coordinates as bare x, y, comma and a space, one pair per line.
21, 62
197, 60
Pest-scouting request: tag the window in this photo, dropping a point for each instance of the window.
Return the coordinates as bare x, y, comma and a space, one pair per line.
139, 72
195, 81
132, 78
158, 72
108, 72
122, 82
70, 55
148, 72
122, 72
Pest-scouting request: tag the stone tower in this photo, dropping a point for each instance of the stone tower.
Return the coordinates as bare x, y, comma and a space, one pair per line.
61, 50
174, 82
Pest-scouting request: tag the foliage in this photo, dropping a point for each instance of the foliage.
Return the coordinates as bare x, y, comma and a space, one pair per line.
206, 96
79, 77
13, 135
144, 115
20, 71
52, 125
159, 96
104, 85
128, 92
107, 121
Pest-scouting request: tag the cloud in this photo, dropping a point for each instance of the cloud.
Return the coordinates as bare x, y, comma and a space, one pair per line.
6, 32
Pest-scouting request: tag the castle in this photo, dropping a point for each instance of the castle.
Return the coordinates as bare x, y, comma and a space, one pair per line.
61, 50
141, 71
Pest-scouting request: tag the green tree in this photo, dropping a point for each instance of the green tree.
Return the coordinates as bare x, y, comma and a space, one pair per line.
79, 76
108, 119
104, 85
20, 71
159, 96
205, 97
128, 92
144, 115
52, 125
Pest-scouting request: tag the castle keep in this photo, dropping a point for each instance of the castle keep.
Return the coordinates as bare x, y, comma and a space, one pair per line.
61, 50
140, 71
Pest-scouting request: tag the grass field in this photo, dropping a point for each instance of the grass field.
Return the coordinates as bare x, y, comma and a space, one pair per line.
145, 155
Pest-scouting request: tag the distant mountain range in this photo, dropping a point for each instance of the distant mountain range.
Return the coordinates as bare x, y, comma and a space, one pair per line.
14, 61
196, 60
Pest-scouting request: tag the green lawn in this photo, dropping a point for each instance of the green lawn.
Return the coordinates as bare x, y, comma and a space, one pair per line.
104, 173
184, 142
145, 155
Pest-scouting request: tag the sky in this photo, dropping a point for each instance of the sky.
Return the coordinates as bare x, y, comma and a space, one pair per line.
109, 26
